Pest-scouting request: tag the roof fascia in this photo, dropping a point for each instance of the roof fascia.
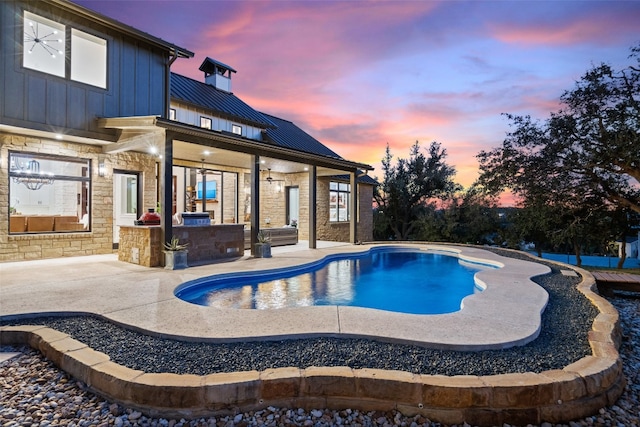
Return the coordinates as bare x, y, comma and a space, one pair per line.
197, 135
119, 26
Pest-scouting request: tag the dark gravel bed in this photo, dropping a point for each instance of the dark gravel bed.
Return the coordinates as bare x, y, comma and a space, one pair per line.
562, 341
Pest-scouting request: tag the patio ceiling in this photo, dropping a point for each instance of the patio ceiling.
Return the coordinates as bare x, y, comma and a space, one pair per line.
185, 151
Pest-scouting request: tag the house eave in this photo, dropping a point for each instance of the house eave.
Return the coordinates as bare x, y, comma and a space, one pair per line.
121, 27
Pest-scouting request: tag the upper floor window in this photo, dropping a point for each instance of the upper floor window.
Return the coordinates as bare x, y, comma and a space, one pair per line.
236, 129
172, 113
205, 122
339, 195
88, 59
45, 49
44, 45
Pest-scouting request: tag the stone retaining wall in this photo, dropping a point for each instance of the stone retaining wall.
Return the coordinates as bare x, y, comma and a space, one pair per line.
555, 396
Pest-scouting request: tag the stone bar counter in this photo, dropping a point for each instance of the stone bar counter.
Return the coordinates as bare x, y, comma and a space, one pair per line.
141, 244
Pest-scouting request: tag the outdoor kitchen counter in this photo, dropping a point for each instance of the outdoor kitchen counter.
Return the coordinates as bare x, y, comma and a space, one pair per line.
208, 243
142, 244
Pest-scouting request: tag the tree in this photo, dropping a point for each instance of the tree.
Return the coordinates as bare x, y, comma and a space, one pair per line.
469, 216
580, 165
600, 126
408, 188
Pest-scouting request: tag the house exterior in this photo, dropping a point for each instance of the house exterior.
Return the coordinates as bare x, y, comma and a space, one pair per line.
631, 249
95, 129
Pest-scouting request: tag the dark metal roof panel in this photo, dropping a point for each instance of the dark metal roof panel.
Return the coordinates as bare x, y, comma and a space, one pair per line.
209, 98
287, 134
363, 179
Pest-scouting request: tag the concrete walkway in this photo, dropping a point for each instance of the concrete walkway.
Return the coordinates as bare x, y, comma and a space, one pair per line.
507, 313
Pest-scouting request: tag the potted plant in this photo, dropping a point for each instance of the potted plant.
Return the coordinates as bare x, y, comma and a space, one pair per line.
263, 247
175, 254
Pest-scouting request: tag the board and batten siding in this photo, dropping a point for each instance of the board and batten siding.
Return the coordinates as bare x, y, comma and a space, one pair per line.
191, 116
37, 100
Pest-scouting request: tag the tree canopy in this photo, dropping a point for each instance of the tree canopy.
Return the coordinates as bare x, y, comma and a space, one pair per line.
590, 147
408, 188
578, 170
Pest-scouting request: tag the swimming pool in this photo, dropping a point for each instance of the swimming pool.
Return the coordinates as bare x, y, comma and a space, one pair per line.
393, 279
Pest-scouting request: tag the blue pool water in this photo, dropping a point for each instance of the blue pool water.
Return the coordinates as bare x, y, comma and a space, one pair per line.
393, 279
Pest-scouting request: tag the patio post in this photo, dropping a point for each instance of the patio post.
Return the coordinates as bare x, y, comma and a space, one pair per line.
166, 196
313, 190
353, 208
255, 202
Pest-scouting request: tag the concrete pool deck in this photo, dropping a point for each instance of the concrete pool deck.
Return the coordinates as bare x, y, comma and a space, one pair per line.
143, 298
507, 313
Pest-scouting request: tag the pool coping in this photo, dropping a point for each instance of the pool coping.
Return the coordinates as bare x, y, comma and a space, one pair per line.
555, 396
506, 313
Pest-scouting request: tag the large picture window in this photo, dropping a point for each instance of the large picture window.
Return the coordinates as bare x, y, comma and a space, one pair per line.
339, 200
48, 194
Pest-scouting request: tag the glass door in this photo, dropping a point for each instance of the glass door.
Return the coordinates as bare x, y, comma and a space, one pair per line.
125, 201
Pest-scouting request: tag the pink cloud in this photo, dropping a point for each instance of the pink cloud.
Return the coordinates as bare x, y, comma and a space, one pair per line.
595, 24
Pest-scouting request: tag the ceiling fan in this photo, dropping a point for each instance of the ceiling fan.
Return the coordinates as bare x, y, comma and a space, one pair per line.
203, 170
270, 179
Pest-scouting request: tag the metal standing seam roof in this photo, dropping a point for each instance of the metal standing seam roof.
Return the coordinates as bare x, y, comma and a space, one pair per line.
224, 103
287, 134
363, 179
279, 132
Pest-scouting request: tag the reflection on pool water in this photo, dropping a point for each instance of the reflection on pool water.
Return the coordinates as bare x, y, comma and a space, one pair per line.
393, 279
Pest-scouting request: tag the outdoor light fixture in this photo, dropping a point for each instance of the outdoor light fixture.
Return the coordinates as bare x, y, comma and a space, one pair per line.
30, 175
102, 167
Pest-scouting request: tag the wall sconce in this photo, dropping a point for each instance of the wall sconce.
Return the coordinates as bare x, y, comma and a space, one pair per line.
102, 167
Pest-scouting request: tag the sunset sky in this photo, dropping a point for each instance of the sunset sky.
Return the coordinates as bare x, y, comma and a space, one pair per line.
357, 75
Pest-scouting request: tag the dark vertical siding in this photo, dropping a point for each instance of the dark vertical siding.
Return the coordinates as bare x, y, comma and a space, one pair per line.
157, 85
31, 99
76, 117
56, 104
96, 104
111, 99
36, 96
142, 83
127, 86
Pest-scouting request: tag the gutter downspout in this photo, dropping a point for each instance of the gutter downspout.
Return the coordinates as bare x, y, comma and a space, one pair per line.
167, 88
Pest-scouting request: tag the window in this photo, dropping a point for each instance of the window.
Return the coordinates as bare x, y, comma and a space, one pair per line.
172, 113
45, 49
88, 59
44, 45
48, 194
339, 200
205, 122
236, 129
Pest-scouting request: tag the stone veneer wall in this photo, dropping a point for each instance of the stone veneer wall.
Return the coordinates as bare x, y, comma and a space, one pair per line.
272, 204
99, 240
146, 241
339, 231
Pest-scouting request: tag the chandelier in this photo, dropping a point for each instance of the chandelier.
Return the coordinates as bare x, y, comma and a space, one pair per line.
31, 176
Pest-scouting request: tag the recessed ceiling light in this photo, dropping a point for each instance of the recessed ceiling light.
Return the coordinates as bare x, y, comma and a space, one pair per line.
262, 162
58, 136
206, 152
306, 168
153, 149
